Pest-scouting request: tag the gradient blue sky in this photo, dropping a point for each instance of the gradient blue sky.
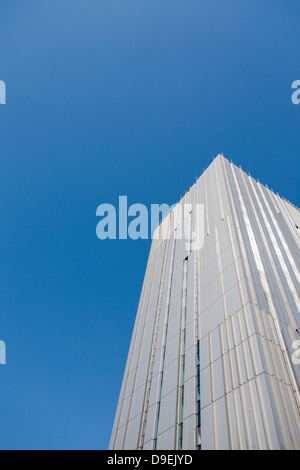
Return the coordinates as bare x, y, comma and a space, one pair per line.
109, 98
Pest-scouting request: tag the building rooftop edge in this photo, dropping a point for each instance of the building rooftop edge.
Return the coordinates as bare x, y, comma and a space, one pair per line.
221, 156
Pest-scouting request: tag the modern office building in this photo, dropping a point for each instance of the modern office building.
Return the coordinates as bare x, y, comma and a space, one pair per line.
214, 361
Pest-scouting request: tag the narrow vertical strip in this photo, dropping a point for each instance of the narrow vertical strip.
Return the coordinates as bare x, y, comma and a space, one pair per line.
144, 416
182, 348
165, 342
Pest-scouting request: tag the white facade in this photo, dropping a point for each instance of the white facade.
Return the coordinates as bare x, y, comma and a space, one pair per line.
212, 362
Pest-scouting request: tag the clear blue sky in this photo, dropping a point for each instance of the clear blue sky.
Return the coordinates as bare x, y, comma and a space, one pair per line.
109, 98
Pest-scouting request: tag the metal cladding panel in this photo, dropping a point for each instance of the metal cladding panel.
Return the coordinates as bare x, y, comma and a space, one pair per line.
212, 361
167, 412
150, 425
220, 424
141, 375
132, 433
154, 391
207, 439
190, 335
206, 393
189, 406
189, 432
170, 378
158, 355
165, 440
217, 380
174, 322
128, 388
172, 349
123, 417
189, 364
119, 438
137, 402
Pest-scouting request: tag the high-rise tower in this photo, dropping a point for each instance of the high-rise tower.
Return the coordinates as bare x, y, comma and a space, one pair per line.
214, 361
